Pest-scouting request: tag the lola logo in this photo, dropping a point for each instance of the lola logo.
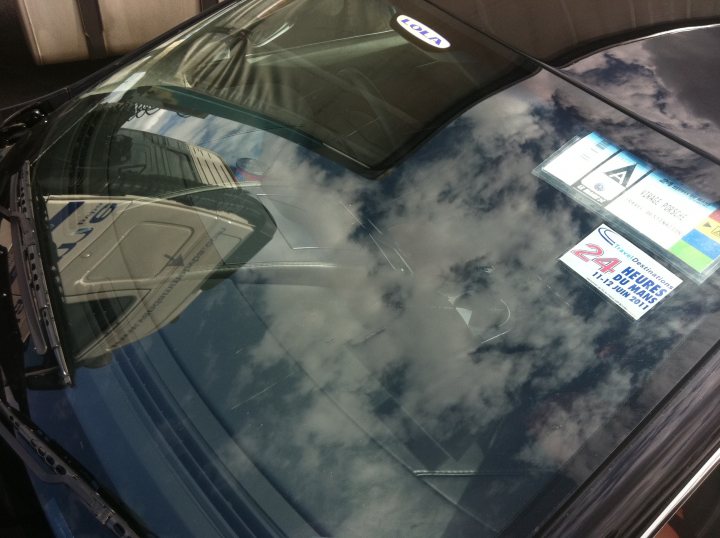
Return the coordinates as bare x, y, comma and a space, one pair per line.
422, 32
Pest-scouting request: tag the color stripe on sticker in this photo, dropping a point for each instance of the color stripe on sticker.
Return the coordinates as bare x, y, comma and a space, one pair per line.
715, 215
703, 243
691, 256
710, 228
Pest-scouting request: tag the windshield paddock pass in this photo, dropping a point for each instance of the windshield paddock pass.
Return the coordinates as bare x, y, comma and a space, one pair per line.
676, 222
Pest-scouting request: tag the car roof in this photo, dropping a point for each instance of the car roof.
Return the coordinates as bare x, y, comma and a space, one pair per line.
557, 32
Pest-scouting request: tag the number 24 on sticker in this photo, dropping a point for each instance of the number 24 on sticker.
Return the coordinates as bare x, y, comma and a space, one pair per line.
594, 254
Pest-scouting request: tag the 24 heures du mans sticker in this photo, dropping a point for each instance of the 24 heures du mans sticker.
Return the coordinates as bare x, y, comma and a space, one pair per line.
620, 271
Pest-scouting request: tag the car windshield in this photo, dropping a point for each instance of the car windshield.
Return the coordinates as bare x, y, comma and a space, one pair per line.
350, 268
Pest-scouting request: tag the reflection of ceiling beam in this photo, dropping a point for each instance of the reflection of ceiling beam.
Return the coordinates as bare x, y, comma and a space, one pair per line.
91, 19
558, 30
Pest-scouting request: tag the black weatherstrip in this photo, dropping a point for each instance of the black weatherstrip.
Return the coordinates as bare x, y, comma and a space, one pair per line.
205, 4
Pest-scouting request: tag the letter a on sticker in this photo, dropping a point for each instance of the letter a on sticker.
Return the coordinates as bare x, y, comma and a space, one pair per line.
621, 175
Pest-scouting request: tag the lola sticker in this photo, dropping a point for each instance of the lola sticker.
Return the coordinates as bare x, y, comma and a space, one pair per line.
621, 271
422, 32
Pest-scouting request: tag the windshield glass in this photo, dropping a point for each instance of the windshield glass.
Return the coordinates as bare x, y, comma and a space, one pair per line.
319, 276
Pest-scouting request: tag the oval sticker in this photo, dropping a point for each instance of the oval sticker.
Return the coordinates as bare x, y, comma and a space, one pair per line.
422, 32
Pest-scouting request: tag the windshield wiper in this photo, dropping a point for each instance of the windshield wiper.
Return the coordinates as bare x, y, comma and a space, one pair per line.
33, 286
41, 456
26, 440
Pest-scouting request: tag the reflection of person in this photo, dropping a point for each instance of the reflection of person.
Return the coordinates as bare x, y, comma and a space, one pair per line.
668, 530
249, 169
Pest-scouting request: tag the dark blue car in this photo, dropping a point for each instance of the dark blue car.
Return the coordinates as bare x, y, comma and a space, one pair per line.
372, 268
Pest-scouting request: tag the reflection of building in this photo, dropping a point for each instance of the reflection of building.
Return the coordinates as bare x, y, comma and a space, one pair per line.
129, 265
561, 29
158, 156
326, 96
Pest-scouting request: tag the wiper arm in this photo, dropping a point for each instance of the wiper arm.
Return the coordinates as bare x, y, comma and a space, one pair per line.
30, 444
34, 291
57, 470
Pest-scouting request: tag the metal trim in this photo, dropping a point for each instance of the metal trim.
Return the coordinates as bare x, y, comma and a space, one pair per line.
685, 493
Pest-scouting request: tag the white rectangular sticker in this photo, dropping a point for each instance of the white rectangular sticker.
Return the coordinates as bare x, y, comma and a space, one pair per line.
579, 157
613, 177
674, 217
621, 271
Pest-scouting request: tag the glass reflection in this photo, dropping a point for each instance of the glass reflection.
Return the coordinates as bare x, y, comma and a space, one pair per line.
358, 358
668, 79
147, 222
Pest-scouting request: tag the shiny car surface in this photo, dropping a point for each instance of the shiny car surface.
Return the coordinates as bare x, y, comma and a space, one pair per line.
369, 268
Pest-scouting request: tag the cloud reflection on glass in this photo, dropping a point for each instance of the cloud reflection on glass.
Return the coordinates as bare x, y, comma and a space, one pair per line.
669, 79
406, 355
440, 352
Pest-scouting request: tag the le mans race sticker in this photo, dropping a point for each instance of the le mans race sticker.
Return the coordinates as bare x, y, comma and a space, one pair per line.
621, 271
683, 226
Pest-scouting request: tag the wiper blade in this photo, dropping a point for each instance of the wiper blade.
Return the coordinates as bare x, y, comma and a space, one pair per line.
34, 291
31, 445
26, 441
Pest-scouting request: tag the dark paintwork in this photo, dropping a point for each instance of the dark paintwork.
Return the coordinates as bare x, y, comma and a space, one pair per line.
670, 80
558, 31
654, 463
